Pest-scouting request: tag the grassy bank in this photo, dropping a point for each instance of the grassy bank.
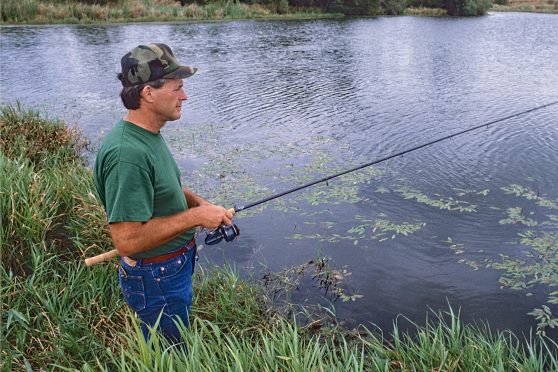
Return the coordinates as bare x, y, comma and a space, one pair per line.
59, 315
122, 11
535, 6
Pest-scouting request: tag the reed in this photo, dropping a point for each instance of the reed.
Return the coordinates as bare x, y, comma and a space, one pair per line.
533, 6
59, 315
426, 12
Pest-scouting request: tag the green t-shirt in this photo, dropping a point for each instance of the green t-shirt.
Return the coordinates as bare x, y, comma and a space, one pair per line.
137, 179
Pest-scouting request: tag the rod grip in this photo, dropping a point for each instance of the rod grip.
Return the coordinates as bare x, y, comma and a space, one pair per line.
101, 258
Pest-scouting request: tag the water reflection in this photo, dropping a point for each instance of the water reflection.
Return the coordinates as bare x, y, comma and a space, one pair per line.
92, 35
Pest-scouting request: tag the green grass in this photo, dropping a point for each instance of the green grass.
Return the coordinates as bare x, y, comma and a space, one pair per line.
58, 314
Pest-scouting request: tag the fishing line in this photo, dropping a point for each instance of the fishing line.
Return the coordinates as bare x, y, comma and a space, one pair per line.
230, 232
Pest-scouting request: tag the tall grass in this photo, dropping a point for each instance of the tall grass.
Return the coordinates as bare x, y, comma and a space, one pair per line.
59, 315
44, 12
46, 191
447, 345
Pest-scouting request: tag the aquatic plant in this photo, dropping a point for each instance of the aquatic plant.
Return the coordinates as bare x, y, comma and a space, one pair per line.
444, 203
537, 264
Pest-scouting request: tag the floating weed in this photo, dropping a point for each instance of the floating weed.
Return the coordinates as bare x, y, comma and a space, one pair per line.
382, 190
545, 318
369, 229
515, 215
444, 203
464, 192
527, 193
537, 267
457, 248
384, 226
552, 220
333, 238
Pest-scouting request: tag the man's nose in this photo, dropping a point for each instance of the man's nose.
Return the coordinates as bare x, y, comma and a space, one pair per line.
183, 96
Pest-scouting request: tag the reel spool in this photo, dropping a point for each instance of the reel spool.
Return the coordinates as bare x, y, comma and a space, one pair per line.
227, 232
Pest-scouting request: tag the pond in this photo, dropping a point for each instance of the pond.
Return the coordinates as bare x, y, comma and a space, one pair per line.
470, 221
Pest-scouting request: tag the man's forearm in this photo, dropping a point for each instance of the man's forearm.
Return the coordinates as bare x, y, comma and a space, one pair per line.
134, 237
131, 238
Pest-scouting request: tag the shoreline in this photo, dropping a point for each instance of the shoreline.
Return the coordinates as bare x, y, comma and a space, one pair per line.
431, 12
185, 20
174, 21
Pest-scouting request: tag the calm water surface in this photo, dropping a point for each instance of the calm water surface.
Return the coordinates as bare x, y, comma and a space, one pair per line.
277, 104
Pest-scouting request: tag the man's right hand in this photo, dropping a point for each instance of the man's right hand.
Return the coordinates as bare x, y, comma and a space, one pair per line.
212, 216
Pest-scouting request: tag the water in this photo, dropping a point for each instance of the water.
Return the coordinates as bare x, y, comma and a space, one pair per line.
274, 99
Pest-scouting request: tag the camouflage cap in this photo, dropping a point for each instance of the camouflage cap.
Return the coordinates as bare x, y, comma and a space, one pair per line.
151, 62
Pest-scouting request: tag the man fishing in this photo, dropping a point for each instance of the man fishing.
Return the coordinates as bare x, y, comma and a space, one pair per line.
152, 218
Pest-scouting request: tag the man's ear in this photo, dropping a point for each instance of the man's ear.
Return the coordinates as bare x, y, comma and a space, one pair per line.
146, 93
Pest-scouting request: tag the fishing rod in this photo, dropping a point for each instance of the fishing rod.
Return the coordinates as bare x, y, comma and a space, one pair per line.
230, 232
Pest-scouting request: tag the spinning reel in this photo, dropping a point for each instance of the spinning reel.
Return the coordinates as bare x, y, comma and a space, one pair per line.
227, 232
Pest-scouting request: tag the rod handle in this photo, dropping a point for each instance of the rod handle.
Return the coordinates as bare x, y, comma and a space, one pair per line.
100, 258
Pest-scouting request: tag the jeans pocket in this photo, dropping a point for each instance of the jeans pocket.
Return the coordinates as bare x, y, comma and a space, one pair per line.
172, 267
133, 291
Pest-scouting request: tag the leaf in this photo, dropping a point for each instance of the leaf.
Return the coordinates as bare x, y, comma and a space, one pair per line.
284, 357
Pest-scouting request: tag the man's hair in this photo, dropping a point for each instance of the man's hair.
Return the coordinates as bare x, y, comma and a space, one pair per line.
130, 96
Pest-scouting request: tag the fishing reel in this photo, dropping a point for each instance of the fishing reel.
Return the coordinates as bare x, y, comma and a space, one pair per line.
227, 232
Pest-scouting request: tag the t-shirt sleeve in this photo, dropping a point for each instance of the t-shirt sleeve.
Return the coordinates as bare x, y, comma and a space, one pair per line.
129, 194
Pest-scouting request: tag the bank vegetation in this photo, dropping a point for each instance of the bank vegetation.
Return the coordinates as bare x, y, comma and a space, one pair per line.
57, 314
119, 11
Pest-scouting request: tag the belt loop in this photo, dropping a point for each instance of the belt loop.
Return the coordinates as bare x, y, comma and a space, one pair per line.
124, 273
139, 261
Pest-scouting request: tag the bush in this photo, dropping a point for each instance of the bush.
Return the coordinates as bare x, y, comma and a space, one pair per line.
467, 7
355, 7
425, 3
280, 6
393, 7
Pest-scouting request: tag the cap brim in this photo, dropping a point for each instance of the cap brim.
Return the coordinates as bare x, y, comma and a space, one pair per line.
182, 72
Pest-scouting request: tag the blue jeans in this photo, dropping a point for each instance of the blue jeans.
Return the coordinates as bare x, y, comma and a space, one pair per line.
166, 287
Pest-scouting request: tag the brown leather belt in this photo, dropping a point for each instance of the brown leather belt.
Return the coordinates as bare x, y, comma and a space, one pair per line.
168, 256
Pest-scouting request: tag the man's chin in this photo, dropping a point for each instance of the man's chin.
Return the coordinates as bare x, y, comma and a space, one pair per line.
176, 117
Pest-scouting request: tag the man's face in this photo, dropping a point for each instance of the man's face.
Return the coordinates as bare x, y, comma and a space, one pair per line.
168, 99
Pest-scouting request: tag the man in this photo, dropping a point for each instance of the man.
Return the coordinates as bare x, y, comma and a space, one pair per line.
151, 216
